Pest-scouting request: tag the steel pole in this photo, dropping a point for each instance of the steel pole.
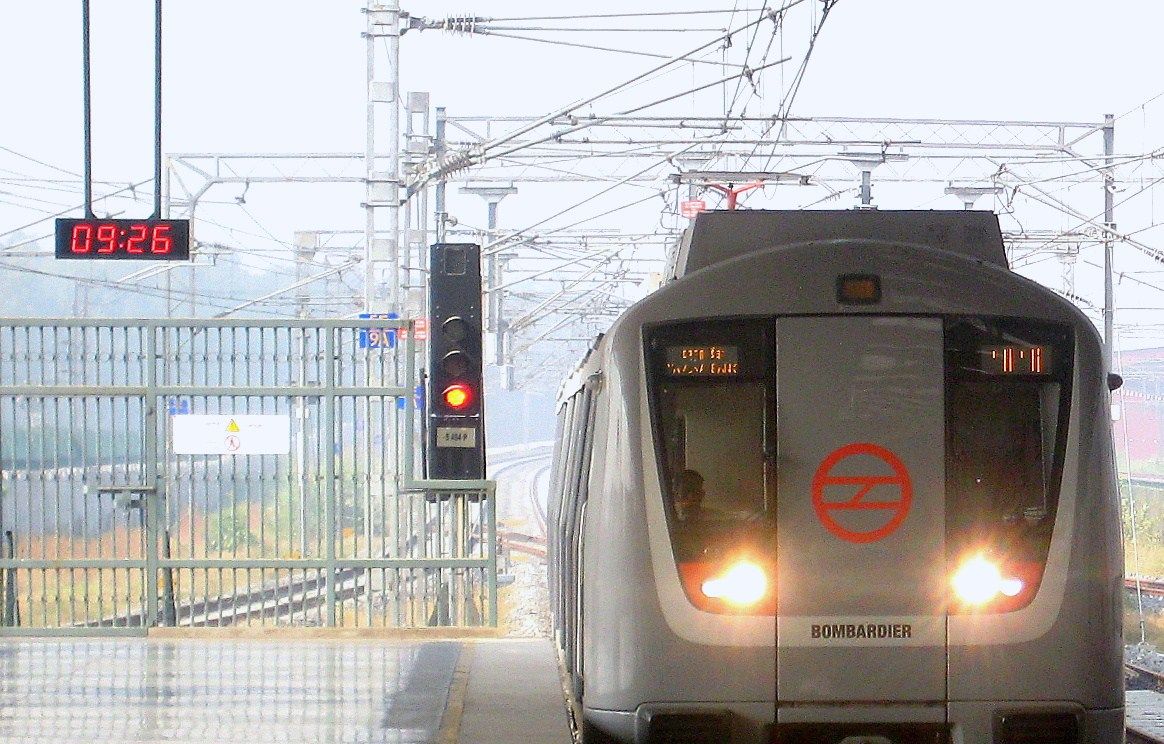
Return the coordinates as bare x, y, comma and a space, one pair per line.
86, 110
442, 214
382, 183
393, 136
369, 163
1109, 229
157, 109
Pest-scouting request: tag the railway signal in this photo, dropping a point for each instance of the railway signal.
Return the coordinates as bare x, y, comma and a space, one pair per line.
456, 405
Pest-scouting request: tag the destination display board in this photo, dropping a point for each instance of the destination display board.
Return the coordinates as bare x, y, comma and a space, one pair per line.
702, 360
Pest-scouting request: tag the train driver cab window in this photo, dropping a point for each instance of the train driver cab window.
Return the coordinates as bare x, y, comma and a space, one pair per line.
710, 401
1007, 397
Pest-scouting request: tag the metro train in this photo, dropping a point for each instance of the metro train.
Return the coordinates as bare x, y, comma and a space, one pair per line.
845, 478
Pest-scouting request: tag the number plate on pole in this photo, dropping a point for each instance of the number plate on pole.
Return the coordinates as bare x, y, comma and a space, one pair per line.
456, 436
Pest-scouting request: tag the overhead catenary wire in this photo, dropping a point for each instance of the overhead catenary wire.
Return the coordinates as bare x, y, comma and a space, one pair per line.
592, 47
600, 29
130, 187
144, 290
39, 162
516, 282
790, 95
289, 288
592, 121
1141, 105
1047, 199
648, 14
492, 247
481, 154
729, 108
747, 56
1127, 276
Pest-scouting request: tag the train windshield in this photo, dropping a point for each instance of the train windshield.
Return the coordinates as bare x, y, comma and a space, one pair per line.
712, 408
1007, 388
999, 388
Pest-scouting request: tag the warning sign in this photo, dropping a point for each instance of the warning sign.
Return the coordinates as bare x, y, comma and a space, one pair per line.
243, 434
692, 208
862, 492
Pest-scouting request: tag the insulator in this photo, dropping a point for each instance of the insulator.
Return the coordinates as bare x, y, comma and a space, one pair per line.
462, 24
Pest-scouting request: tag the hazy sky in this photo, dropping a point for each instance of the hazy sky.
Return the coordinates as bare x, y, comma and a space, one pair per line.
249, 76
246, 75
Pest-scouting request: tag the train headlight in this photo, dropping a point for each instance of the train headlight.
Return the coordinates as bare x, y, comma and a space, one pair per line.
741, 585
979, 581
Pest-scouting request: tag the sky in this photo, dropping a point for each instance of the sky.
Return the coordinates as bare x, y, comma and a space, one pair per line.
289, 76
252, 76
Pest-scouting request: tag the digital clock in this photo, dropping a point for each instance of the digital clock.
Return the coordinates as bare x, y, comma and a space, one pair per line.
151, 239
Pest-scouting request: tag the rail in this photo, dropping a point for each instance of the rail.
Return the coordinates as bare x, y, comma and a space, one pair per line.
1153, 587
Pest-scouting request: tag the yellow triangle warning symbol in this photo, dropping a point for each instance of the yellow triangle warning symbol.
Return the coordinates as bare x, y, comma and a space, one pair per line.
232, 426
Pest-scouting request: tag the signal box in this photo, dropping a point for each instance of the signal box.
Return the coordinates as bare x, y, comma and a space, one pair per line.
456, 384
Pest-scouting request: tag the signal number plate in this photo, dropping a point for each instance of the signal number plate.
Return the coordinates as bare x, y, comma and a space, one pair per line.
456, 436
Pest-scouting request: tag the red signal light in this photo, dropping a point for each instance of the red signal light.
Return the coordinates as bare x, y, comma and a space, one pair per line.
458, 396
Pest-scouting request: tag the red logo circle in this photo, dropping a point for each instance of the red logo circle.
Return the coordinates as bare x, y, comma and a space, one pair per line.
897, 509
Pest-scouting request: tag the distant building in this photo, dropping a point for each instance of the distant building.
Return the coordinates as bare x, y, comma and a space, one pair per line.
1138, 407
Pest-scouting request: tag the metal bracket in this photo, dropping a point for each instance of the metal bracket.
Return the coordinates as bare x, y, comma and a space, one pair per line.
128, 497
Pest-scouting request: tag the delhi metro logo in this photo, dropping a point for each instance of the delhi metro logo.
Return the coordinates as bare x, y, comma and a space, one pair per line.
870, 500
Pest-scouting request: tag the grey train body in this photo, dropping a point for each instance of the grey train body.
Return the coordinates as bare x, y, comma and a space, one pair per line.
862, 641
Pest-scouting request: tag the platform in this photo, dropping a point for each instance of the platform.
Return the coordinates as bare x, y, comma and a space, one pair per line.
1145, 714
438, 691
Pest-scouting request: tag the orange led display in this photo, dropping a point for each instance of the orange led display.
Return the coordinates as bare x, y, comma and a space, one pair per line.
703, 361
1015, 359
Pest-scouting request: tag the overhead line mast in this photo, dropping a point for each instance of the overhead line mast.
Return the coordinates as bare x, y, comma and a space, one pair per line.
382, 172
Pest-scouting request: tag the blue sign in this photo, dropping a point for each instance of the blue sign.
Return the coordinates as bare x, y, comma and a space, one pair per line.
417, 397
378, 338
177, 406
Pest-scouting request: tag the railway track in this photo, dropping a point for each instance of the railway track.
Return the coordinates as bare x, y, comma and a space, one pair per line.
518, 541
283, 599
1136, 737
1141, 678
536, 502
1152, 587
290, 597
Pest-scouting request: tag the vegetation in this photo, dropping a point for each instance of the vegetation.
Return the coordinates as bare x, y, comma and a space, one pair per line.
1144, 555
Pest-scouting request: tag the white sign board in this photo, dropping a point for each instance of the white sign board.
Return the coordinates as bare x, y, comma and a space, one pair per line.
456, 436
244, 434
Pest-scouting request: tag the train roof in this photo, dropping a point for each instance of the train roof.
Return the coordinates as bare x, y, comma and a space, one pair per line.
721, 235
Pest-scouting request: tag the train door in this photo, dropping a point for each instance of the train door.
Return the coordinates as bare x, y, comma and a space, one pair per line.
860, 519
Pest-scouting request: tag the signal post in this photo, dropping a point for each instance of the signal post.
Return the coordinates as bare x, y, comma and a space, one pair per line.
456, 404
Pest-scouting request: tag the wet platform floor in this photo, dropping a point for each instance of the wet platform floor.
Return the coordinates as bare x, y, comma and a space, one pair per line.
483, 691
257, 691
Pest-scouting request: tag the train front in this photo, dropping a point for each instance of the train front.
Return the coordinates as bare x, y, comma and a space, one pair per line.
903, 476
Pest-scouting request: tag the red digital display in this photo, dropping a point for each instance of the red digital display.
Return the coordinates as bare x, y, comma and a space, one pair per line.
151, 239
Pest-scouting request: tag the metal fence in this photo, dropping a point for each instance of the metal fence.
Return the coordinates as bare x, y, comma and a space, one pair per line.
202, 473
